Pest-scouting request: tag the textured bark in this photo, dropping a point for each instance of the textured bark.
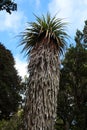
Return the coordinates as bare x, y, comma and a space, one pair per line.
41, 102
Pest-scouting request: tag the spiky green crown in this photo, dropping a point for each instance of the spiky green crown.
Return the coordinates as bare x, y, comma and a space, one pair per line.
47, 27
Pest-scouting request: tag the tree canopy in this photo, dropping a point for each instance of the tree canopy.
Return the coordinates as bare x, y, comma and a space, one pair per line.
8, 5
9, 84
72, 99
45, 27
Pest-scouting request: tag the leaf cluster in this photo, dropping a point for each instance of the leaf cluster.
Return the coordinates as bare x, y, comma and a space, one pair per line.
72, 99
50, 28
9, 84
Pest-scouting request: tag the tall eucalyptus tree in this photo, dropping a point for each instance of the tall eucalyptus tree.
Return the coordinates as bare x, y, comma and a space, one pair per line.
43, 41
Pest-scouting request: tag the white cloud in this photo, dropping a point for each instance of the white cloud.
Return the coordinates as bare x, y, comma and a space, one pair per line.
13, 22
74, 12
85, 1
61, 7
21, 66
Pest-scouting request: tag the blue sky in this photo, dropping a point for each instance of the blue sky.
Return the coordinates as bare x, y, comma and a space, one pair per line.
73, 11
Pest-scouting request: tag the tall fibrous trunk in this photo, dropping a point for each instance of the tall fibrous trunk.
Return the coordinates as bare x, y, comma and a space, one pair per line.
43, 41
43, 87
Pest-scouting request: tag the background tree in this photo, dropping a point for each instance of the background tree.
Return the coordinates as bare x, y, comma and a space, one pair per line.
14, 123
43, 41
85, 33
8, 5
72, 99
9, 84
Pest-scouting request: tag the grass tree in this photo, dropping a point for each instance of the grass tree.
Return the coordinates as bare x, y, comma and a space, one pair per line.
43, 41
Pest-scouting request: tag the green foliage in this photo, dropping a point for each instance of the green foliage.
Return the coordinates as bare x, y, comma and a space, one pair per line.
15, 123
8, 5
59, 125
10, 84
48, 27
72, 98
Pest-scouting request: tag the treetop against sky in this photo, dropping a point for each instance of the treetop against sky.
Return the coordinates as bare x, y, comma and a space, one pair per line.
74, 12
